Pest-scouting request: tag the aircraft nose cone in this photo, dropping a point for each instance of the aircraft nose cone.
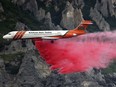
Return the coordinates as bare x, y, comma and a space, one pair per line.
5, 37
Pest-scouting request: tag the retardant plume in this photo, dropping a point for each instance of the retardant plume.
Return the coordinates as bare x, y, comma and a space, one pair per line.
81, 53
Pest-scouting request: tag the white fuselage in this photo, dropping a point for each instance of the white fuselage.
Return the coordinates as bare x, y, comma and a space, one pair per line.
40, 34
34, 34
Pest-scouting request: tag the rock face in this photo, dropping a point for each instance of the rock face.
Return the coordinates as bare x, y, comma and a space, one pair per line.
32, 70
21, 26
5, 78
105, 7
78, 3
30, 5
1, 13
71, 17
98, 18
40, 14
48, 23
19, 2
113, 1
1, 8
114, 6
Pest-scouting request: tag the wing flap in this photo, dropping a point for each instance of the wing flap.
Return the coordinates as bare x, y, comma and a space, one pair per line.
50, 38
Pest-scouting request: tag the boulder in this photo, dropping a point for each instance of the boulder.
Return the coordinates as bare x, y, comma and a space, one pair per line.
71, 17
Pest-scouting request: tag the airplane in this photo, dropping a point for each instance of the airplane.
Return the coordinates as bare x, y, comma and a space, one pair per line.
49, 34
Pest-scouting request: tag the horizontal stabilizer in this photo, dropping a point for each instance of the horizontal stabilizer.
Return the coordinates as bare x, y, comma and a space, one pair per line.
83, 25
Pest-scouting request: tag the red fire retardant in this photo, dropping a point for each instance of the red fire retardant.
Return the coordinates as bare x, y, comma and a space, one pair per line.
79, 54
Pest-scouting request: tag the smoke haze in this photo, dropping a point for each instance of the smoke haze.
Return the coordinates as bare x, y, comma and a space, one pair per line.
81, 53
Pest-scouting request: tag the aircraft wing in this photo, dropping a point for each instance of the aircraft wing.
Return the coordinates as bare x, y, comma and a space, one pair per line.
50, 38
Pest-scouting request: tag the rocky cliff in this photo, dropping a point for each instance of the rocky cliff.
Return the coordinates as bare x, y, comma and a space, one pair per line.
20, 62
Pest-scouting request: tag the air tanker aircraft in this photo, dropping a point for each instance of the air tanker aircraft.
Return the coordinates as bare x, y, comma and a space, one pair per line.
47, 34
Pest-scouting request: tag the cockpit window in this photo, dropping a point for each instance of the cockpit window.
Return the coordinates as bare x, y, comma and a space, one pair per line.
9, 33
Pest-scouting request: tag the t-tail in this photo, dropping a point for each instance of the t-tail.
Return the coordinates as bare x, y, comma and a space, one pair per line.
84, 24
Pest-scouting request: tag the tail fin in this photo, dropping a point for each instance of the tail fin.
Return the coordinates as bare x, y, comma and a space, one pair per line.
84, 24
